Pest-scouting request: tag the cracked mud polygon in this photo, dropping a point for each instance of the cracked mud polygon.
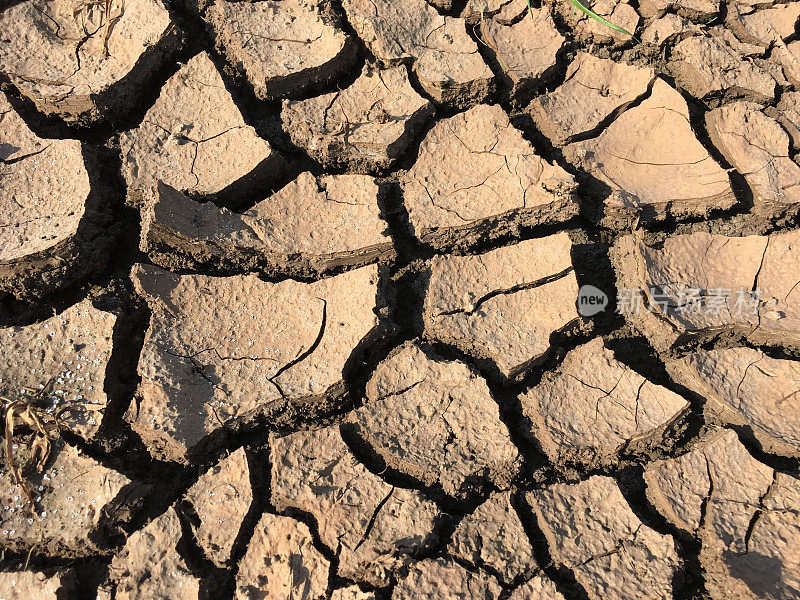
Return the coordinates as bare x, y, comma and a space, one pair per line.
373, 300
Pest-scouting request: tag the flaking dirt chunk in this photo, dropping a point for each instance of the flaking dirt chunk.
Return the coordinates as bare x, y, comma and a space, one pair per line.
594, 89
373, 527
711, 66
502, 307
77, 501
281, 563
595, 406
476, 177
526, 50
696, 9
747, 388
788, 56
446, 580
218, 349
63, 360
221, 499
766, 26
283, 48
74, 60
758, 147
435, 421
309, 227
744, 513
664, 29
538, 588
493, 536
699, 285
787, 113
34, 585
590, 528
652, 163
366, 126
49, 215
444, 58
195, 139
150, 566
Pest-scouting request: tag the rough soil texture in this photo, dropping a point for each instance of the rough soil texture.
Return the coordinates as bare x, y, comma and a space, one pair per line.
220, 500
51, 219
744, 512
455, 440
652, 164
749, 287
282, 48
197, 374
593, 407
380, 300
505, 305
444, 57
759, 149
366, 126
25, 585
475, 170
85, 62
347, 229
195, 139
375, 527
591, 528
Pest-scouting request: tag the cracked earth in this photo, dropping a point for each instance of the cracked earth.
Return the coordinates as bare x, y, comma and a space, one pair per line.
298, 281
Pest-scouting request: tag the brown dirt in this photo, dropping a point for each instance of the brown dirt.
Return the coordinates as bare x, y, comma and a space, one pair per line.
300, 289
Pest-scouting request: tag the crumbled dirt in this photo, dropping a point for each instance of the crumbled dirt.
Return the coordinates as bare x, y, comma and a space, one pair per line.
380, 300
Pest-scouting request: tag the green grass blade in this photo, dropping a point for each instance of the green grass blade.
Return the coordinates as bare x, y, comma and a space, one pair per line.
587, 11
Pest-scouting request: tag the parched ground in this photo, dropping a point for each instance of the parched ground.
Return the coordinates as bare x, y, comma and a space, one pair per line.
292, 287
